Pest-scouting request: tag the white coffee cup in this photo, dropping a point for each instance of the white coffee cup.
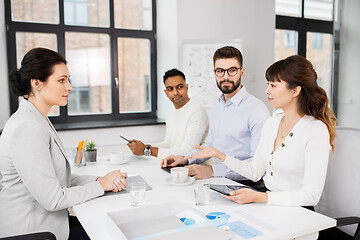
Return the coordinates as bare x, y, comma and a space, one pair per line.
179, 174
117, 157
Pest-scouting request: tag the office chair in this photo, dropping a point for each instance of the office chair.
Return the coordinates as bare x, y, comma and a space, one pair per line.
341, 195
32, 236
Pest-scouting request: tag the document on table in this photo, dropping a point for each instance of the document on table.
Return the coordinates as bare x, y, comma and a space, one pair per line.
164, 221
247, 226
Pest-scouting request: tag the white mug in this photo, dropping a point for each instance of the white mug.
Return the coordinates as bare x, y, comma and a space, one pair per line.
117, 157
179, 174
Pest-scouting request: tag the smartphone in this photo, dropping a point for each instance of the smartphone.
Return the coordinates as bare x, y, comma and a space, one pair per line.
226, 189
126, 139
167, 169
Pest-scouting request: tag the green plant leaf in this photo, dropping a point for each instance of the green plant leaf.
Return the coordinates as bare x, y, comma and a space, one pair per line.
90, 147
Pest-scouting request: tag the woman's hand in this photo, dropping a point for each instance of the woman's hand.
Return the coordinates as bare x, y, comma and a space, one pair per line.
113, 181
246, 195
207, 152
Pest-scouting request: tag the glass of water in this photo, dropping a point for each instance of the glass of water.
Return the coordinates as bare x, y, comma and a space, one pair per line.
202, 194
137, 193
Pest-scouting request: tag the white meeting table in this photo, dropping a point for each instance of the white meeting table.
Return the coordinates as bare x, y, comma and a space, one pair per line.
289, 222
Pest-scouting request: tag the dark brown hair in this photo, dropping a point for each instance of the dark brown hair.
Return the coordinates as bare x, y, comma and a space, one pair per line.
228, 52
173, 73
298, 71
37, 63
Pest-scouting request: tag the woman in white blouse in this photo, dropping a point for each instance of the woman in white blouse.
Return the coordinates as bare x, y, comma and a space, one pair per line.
292, 155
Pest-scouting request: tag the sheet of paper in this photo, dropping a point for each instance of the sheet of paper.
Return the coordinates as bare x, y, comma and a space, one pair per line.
243, 230
205, 232
247, 226
165, 221
149, 227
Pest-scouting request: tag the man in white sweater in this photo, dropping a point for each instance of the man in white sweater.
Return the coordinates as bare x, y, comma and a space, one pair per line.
186, 124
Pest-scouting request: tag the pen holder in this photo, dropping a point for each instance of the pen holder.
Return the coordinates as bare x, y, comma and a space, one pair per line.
79, 158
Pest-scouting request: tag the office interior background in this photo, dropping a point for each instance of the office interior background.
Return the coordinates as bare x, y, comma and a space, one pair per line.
118, 55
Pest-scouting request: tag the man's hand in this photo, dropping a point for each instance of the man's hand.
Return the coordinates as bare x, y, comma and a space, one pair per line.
247, 195
173, 161
137, 147
200, 171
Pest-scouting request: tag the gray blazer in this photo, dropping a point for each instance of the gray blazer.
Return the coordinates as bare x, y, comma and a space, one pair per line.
37, 184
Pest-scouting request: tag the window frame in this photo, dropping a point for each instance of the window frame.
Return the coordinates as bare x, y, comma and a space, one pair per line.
59, 29
304, 25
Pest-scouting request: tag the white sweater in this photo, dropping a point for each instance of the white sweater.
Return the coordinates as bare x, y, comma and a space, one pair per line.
185, 128
295, 172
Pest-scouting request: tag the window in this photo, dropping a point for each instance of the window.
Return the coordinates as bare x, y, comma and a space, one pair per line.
316, 40
109, 46
290, 39
305, 27
286, 43
319, 52
76, 12
89, 64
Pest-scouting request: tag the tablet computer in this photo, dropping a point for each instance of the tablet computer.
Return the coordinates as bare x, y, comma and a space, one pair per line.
226, 189
129, 180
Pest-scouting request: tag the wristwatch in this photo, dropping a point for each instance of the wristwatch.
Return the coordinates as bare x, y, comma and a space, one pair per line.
147, 151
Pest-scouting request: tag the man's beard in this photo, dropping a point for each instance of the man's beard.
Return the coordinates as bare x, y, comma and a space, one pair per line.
229, 89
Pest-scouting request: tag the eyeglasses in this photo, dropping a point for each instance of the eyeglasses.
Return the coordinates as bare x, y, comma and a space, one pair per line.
220, 72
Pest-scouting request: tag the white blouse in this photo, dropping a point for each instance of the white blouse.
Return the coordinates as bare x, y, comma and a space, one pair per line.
295, 172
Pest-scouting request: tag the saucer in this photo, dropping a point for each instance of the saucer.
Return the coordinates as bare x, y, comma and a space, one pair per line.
107, 160
189, 181
116, 163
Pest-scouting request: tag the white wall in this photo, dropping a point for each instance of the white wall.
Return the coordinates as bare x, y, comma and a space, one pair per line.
252, 21
215, 20
4, 93
349, 72
167, 48
107, 139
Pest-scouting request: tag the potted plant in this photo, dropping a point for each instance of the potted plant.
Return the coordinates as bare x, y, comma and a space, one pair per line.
90, 152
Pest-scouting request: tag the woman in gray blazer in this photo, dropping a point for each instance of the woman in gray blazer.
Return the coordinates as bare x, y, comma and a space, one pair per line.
37, 184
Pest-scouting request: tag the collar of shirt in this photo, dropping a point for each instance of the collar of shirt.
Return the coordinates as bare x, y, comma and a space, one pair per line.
236, 99
183, 108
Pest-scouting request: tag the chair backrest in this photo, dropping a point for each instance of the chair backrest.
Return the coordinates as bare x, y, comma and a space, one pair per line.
341, 195
32, 236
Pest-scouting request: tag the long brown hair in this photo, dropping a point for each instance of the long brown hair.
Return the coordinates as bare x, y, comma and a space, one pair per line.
298, 71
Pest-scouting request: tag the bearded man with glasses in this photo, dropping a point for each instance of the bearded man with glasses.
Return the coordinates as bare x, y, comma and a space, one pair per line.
235, 120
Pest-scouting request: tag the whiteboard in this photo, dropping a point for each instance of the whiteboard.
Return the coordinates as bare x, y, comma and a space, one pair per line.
197, 64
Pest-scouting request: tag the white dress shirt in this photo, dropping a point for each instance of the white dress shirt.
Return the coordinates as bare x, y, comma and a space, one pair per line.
185, 128
295, 172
